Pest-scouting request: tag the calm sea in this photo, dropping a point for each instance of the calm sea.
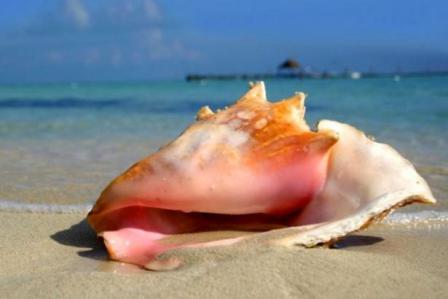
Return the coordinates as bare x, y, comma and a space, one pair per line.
62, 143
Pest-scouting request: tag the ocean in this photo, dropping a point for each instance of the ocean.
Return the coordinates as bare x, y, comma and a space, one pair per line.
60, 144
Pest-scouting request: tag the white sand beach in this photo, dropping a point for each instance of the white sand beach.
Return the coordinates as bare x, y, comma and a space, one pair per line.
58, 256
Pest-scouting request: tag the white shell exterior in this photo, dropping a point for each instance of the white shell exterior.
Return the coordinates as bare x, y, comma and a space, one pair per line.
367, 180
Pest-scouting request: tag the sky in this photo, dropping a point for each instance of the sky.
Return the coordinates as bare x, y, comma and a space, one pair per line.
125, 40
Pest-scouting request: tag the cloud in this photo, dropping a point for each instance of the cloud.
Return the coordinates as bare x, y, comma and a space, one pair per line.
152, 10
97, 37
158, 47
76, 12
116, 57
55, 56
92, 56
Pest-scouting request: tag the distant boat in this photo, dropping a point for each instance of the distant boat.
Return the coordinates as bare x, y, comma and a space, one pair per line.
355, 75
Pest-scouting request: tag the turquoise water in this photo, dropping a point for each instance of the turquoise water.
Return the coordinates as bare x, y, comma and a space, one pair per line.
61, 143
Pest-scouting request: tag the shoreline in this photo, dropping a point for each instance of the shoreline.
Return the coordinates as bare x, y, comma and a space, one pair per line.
58, 254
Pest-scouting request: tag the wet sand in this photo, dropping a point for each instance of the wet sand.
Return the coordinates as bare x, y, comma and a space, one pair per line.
58, 256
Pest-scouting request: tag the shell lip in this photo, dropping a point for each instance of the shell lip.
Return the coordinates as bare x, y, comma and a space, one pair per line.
329, 232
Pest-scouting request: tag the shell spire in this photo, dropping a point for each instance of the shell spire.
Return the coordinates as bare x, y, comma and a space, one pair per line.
204, 113
256, 93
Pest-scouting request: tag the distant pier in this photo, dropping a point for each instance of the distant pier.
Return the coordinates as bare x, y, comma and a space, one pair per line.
315, 75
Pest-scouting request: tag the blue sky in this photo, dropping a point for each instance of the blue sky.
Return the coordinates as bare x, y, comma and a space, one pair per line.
78, 40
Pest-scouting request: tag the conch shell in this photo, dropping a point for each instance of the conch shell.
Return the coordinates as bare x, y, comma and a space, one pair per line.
254, 166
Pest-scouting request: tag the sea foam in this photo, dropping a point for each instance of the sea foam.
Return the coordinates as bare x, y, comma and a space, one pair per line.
41, 208
421, 217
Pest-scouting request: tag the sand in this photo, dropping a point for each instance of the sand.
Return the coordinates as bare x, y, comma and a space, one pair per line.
58, 256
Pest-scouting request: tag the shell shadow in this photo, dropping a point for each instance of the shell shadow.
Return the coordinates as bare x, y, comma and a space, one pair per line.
81, 235
356, 241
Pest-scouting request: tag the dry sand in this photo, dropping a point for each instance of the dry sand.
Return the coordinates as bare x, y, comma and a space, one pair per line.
58, 256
